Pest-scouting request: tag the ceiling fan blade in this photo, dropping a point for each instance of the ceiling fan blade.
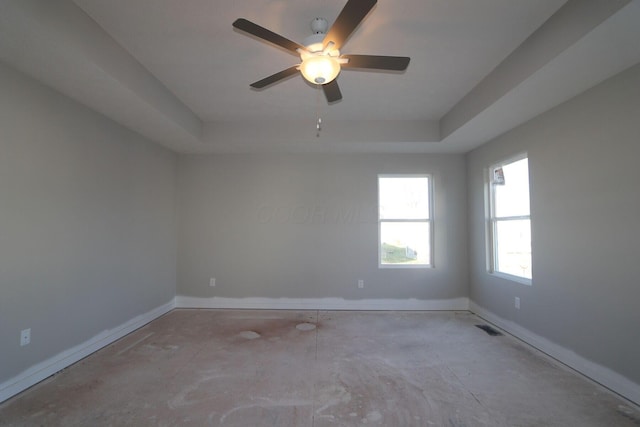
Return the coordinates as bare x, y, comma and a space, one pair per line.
268, 35
352, 13
393, 63
275, 77
332, 91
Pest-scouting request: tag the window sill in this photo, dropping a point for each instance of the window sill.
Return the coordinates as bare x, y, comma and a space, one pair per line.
401, 266
511, 277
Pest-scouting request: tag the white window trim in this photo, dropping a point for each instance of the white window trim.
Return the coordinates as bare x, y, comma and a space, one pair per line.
430, 263
492, 222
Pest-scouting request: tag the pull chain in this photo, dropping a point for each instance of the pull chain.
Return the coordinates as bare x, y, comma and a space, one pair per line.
318, 118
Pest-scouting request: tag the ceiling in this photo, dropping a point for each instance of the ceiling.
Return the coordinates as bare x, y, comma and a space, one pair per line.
178, 73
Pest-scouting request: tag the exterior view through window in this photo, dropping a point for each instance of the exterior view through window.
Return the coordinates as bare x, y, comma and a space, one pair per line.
404, 220
510, 223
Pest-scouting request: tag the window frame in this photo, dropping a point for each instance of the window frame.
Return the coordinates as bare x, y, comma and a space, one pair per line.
492, 222
429, 220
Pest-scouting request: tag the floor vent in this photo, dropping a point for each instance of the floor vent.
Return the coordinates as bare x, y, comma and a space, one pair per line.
488, 329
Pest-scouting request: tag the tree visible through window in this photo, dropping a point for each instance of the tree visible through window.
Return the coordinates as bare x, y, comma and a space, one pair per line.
404, 220
510, 222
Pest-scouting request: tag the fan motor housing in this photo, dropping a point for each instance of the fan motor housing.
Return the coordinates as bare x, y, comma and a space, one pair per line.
319, 26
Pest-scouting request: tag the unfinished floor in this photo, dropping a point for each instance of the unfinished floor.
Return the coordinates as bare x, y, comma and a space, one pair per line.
317, 368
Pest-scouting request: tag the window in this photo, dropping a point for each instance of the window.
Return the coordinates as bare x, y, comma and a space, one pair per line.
404, 220
510, 223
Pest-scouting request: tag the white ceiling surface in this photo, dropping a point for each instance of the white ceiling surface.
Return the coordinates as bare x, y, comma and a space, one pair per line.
177, 72
192, 48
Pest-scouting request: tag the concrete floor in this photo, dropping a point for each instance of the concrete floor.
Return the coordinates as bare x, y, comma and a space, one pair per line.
317, 368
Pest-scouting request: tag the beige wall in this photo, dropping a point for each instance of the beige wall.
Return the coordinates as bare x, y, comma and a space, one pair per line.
305, 226
87, 223
585, 211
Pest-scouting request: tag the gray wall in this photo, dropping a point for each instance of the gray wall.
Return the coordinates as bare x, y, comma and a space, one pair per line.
585, 212
87, 223
305, 226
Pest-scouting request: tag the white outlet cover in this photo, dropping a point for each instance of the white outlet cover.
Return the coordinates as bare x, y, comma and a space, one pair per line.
361, 284
25, 336
212, 282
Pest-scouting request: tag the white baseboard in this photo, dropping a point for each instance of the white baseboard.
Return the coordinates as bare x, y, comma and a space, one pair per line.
42, 370
600, 374
455, 304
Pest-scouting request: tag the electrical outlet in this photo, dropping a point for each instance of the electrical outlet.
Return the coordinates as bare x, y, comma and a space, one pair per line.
212, 282
517, 303
25, 337
360, 283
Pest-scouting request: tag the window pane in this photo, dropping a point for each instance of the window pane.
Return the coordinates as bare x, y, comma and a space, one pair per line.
512, 197
404, 197
513, 247
404, 243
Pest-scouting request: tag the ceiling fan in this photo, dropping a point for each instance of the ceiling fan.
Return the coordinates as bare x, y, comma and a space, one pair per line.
321, 60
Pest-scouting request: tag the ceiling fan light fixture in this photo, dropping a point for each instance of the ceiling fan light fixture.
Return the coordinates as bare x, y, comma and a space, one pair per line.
320, 69
320, 56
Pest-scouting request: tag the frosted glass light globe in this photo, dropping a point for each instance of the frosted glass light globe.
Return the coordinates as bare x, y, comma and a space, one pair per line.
320, 69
